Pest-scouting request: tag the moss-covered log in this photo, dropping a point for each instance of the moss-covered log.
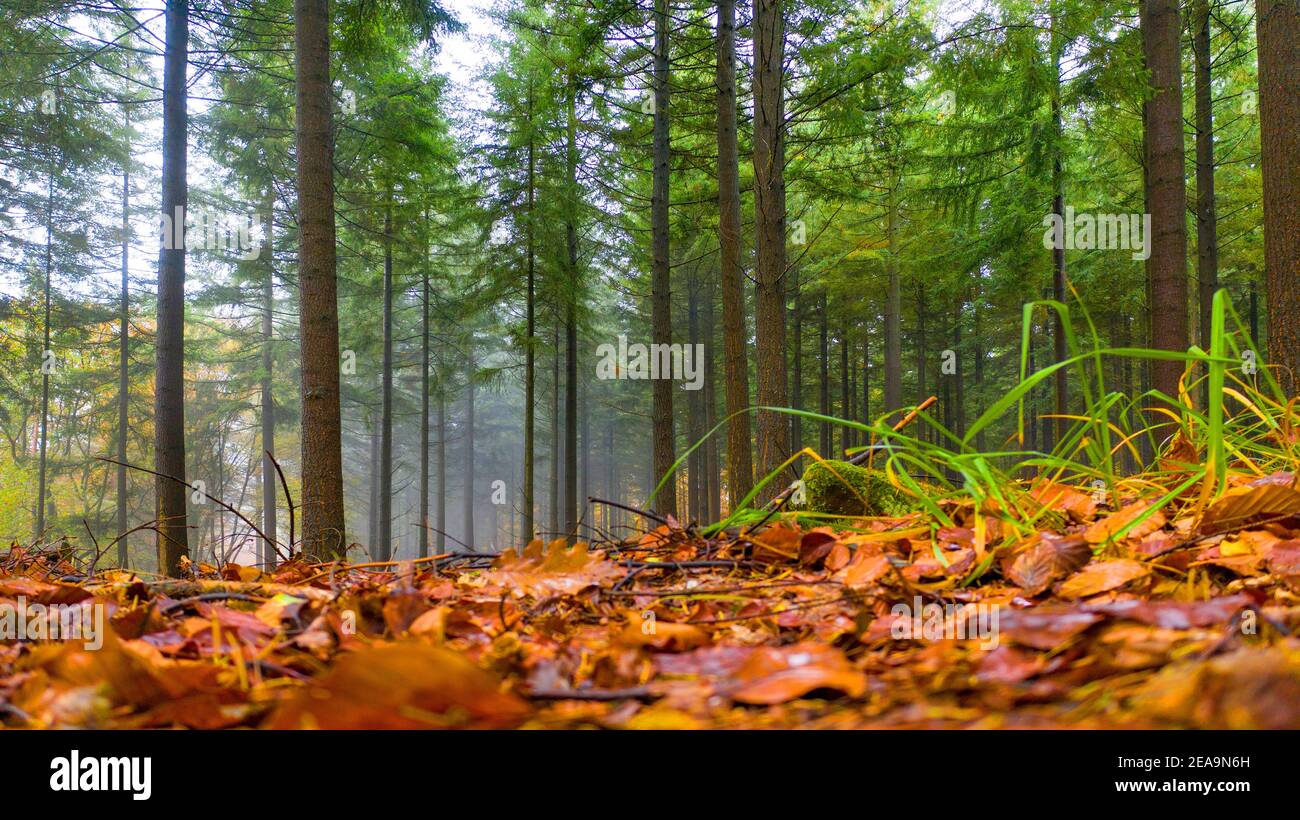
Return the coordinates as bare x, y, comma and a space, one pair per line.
840, 488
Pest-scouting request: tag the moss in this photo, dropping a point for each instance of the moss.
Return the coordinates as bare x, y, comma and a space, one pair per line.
840, 488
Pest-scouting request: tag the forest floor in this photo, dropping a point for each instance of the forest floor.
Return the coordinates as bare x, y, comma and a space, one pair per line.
892, 622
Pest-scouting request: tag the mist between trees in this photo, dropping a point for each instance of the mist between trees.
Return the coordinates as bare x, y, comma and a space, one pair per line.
431, 307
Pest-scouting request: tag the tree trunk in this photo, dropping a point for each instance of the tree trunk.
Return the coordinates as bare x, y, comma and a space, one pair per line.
322, 450
571, 321
1062, 376
530, 342
169, 379
424, 395
124, 359
866, 384
268, 397
740, 467
713, 483
893, 308
796, 367
921, 352
440, 509
47, 358
661, 304
1207, 238
1278, 24
553, 491
1167, 195
824, 376
372, 526
384, 548
769, 229
846, 412
467, 443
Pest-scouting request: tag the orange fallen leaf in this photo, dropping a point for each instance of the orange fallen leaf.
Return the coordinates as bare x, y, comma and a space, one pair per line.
779, 674
406, 685
1243, 503
1101, 576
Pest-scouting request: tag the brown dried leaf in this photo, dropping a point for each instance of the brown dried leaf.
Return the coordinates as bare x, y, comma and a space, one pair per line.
1239, 505
1102, 576
1049, 559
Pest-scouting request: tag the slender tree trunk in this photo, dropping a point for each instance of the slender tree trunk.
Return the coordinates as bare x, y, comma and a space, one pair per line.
384, 549
1062, 376
769, 228
922, 353
796, 367
740, 467
611, 480
169, 379
1207, 235
866, 384
694, 412
124, 359
440, 508
47, 356
553, 491
1278, 26
979, 372
893, 308
1167, 195
712, 474
959, 379
468, 445
824, 375
268, 397
584, 457
661, 304
425, 298
571, 320
372, 528
846, 412
530, 342
852, 411
322, 437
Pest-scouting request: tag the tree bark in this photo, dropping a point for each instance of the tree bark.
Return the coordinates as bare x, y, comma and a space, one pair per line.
893, 308
530, 342
772, 431
1062, 376
169, 363
661, 304
269, 476
440, 508
571, 320
322, 449
846, 411
553, 490
824, 375
1207, 237
1167, 195
425, 298
47, 359
384, 548
124, 358
1278, 28
467, 443
796, 367
740, 466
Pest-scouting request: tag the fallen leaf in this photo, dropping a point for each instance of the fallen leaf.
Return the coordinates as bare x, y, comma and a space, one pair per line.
1101, 576
1049, 559
779, 674
406, 685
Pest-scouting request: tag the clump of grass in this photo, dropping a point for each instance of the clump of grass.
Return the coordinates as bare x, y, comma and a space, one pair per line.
1221, 419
